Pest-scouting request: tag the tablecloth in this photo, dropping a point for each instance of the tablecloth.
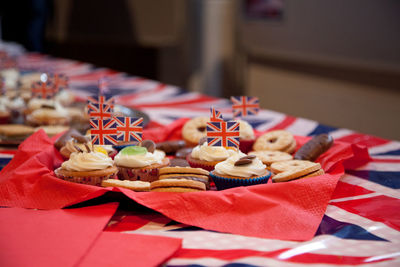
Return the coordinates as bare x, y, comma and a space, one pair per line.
361, 225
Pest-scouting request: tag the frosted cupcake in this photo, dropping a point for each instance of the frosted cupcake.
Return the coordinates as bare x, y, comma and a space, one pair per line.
87, 168
137, 163
206, 157
239, 171
246, 136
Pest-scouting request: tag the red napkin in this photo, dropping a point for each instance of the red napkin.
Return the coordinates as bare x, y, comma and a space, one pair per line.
289, 211
116, 249
50, 238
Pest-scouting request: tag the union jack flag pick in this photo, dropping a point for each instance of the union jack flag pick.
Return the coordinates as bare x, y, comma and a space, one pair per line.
129, 129
100, 108
215, 115
43, 89
60, 80
103, 132
244, 105
223, 133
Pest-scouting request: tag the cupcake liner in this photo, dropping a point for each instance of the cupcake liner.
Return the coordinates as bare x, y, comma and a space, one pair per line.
92, 180
246, 145
134, 174
225, 183
195, 163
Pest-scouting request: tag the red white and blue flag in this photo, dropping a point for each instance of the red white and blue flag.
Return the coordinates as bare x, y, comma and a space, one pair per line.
60, 80
103, 85
129, 129
43, 89
215, 115
244, 106
103, 132
223, 133
101, 108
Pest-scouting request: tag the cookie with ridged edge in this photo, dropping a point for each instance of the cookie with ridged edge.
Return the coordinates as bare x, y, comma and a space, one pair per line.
269, 156
138, 186
177, 185
187, 170
294, 169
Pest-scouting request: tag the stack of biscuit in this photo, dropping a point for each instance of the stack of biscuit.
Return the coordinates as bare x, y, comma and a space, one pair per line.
181, 179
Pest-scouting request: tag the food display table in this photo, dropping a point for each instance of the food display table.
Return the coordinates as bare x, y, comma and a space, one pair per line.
360, 226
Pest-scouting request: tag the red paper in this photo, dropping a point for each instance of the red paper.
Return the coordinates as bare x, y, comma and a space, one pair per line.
287, 211
116, 249
50, 238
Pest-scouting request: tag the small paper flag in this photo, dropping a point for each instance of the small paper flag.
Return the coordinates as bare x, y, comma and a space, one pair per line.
244, 105
215, 115
60, 80
100, 108
129, 129
225, 134
43, 89
103, 132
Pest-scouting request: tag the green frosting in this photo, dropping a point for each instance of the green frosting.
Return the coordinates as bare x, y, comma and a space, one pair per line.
133, 150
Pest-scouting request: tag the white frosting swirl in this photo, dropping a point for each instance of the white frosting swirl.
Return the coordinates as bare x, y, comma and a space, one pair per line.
87, 162
212, 153
245, 131
137, 161
227, 167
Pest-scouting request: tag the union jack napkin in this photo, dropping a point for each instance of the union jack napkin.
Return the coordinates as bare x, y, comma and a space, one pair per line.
243, 106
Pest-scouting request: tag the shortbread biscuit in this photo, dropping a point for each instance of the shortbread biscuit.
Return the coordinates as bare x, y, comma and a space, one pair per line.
177, 185
268, 156
138, 186
12, 130
169, 170
280, 140
294, 169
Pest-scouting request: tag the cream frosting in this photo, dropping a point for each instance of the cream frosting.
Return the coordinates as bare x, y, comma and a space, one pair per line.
137, 161
65, 97
87, 162
246, 131
227, 167
212, 153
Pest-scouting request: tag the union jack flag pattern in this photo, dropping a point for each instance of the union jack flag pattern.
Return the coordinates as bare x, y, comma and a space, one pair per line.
225, 134
129, 129
103, 132
60, 80
100, 108
43, 89
215, 115
244, 106
103, 85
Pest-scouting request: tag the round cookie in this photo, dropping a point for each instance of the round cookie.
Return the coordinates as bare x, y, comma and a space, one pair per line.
293, 165
138, 186
280, 140
194, 130
268, 156
177, 185
294, 169
187, 170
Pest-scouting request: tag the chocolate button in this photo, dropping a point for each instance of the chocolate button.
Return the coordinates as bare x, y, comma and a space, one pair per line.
150, 145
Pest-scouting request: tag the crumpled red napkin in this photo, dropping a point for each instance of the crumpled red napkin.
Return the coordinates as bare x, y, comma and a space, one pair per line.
286, 211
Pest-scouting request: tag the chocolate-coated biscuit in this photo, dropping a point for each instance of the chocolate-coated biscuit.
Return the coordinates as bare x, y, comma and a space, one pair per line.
179, 163
183, 152
66, 137
170, 147
314, 148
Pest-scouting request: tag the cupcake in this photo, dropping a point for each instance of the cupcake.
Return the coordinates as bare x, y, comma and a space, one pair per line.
87, 168
5, 113
239, 171
138, 163
206, 157
246, 136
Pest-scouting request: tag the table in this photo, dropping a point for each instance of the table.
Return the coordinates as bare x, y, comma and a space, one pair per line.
361, 227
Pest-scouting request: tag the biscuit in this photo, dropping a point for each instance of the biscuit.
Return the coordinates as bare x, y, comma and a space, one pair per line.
268, 156
314, 148
177, 185
186, 170
171, 147
194, 130
13, 130
52, 130
294, 169
138, 186
279, 140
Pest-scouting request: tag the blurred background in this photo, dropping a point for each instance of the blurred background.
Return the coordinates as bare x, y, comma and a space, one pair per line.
337, 62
